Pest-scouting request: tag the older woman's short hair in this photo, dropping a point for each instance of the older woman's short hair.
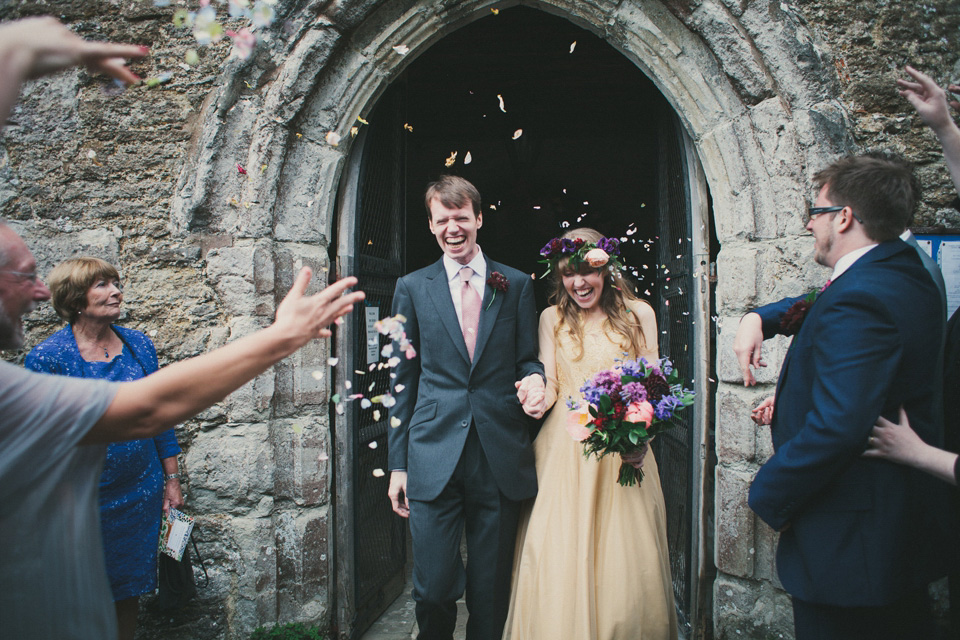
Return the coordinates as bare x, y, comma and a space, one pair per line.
71, 279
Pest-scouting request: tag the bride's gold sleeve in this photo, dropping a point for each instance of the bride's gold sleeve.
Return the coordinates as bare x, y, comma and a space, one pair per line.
548, 352
647, 318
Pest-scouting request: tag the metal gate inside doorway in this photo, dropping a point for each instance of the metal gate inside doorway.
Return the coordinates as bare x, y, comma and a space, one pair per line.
371, 567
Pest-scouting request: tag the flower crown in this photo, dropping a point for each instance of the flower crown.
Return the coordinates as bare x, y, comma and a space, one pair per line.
605, 253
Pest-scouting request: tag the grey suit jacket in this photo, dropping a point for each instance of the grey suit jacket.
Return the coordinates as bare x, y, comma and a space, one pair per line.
930, 265
445, 393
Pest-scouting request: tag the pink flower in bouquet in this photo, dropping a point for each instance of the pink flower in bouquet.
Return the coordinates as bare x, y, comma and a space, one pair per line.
577, 424
640, 412
596, 258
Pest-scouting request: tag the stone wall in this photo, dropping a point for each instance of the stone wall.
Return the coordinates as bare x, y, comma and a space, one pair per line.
768, 91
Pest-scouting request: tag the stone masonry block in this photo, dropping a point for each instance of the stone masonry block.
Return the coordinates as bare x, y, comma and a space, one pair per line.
736, 432
747, 610
231, 468
765, 562
728, 368
737, 281
301, 450
735, 550
303, 561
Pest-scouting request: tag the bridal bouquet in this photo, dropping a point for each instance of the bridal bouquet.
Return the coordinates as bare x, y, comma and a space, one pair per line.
624, 407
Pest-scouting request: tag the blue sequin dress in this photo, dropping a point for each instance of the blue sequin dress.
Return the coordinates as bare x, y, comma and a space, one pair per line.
131, 485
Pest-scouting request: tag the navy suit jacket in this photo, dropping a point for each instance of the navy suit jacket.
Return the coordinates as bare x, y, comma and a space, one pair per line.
859, 532
445, 392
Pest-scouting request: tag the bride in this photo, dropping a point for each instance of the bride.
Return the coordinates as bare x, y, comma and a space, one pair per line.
591, 559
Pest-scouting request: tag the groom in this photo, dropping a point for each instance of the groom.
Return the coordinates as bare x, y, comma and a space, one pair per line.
461, 455
857, 546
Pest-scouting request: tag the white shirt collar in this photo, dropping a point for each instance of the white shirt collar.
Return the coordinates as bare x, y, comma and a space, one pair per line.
478, 264
846, 261
906, 235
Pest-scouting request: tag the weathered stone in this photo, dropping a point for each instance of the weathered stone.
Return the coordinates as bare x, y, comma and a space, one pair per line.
744, 611
728, 368
736, 432
735, 551
302, 551
302, 455
230, 468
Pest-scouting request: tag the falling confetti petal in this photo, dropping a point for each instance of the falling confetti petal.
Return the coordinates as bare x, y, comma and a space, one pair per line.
206, 29
241, 170
163, 78
467, 159
517, 133
573, 46
451, 159
402, 49
500, 98
323, 457
365, 404
394, 422
408, 127
191, 57
394, 361
373, 443
378, 473
332, 362
340, 409
376, 418
387, 400
335, 398
297, 428
495, 12
317, 374
399, 388
348, 385
333, 138
354, 131
263, 14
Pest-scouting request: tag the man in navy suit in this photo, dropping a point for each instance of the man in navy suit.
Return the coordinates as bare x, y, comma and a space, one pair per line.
859, 537
461, 455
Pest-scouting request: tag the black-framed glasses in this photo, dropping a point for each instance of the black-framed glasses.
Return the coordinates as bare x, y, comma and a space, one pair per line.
813, 212
32, 276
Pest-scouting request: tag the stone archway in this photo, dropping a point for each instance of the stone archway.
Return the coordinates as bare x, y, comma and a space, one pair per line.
750, 88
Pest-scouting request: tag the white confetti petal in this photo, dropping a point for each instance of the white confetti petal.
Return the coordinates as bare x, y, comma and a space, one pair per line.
500, 98
332, 362
365, 404
402, 49
333, 138
376, 418
394, 422
517, 133
323, 457
317, 374
373, 444
573, 46
378, 473
467, 159
399, 388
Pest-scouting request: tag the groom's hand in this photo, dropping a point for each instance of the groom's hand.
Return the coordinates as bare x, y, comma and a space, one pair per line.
747, 344
532, 395
398, 487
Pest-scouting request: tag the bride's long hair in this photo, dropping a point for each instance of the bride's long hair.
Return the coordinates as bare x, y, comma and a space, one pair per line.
620, 322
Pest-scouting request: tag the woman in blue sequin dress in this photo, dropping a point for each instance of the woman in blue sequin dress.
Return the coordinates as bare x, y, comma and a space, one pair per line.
140, 479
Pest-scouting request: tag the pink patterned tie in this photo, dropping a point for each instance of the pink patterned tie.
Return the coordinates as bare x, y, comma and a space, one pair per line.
470, 310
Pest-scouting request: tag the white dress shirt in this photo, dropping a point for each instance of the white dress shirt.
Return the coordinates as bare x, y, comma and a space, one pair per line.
477, 281
846, 261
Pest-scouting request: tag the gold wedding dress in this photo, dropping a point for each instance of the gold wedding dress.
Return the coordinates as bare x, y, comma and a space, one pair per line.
591, 560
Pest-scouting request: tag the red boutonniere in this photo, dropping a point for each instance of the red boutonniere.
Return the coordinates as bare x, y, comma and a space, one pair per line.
499, 282
793, 318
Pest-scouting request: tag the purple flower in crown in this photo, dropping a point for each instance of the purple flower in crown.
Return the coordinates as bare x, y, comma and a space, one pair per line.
567, 246
610, 245
550, 248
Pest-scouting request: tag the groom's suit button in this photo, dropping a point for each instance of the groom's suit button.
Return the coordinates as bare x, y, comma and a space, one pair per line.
464, 423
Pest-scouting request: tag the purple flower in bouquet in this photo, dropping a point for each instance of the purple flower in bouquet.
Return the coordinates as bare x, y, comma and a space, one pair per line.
633, 392
665, 408
625, 407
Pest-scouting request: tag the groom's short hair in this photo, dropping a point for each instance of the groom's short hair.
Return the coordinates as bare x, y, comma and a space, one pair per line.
453, 192
880, 187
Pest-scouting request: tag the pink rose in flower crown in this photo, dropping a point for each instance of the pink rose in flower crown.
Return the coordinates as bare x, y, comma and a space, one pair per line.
597, 258
577, 423
639, 412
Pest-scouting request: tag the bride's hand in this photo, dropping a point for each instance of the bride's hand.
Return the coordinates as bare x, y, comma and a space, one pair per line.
635, 458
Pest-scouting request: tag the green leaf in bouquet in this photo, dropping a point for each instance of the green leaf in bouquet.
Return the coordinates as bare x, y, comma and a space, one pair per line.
605, 404
634, 437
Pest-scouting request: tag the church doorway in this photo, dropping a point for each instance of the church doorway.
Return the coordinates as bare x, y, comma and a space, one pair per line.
557, 129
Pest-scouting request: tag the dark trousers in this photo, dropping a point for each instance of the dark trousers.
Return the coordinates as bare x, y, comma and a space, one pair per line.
908, 618
471, 499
